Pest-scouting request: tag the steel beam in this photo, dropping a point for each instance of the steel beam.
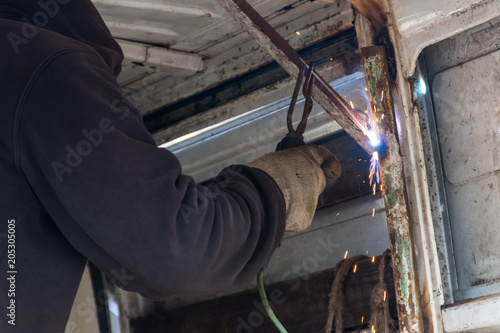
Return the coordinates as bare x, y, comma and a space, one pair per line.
291, 61
391, 167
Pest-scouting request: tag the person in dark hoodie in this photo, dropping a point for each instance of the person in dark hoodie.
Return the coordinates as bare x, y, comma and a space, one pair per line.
83, 180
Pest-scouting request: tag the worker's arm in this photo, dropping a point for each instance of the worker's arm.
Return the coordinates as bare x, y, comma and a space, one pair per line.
123, 203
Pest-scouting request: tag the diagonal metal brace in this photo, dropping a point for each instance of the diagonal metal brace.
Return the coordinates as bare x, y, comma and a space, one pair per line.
290, 60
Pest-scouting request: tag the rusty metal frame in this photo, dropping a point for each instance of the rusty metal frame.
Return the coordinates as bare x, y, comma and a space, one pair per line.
383, 122
291, 61
397, 211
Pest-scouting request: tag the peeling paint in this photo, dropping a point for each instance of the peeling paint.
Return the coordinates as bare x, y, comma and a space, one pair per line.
391, 167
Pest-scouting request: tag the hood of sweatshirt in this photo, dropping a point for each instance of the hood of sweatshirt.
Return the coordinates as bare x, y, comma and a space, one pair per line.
75, 19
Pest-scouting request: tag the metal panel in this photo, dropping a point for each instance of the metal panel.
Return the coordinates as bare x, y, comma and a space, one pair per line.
468, 121
424, 22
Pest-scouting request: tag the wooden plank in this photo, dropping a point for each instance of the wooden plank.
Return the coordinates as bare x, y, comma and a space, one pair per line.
300, 304
290, 60
155, 90
393, 179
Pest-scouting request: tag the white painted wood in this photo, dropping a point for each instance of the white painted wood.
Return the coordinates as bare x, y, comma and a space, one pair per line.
318, 25
176, 8
83, 316
154, 55
477, 315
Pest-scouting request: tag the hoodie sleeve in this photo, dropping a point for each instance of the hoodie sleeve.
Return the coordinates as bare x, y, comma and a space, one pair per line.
123, 202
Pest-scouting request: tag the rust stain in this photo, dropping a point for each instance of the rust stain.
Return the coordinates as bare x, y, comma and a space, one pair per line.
391, 166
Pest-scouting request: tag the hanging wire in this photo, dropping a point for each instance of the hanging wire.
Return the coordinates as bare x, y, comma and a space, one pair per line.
267, 306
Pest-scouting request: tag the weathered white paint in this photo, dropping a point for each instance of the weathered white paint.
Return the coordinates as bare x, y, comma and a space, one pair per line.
468, 121
257, 132
115, 25
155, 91
480, 315
159, 56
176, 8
417, 192
425, 22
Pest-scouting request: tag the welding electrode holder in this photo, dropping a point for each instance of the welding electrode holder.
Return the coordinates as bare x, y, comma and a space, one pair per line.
295, 137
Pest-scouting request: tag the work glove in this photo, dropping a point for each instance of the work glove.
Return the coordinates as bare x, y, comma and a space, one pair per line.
300, 174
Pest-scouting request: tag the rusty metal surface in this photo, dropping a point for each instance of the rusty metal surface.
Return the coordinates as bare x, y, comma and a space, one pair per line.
391, 166
373, 10
290, 60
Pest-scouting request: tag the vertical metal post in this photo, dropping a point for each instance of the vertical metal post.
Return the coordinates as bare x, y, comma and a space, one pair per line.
391, 167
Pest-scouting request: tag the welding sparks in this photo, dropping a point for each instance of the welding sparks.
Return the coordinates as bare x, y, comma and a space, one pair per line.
373, 329
374, 175
352, 104
373, 259
345, 255
385, 294
297, 33
355, 267
373, 212
362, 318
374, 139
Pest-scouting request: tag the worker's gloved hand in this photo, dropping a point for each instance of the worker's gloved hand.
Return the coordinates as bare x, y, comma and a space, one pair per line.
300, 173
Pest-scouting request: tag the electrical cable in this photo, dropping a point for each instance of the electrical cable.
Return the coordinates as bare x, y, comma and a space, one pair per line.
293, 139
265, 302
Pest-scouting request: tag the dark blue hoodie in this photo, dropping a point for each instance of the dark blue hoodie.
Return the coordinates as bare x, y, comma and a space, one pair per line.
82, 179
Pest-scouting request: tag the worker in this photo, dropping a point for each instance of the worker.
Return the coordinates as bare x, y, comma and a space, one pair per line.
82, 180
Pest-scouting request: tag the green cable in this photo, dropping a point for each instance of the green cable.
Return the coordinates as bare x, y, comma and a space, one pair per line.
266, 304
